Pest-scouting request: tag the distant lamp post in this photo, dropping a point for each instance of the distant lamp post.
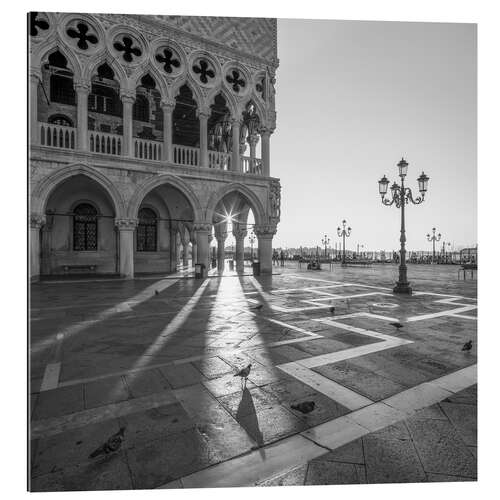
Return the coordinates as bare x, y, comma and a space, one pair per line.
433, 238
325, 242
252, 241
400, 196
343, 233
445, 259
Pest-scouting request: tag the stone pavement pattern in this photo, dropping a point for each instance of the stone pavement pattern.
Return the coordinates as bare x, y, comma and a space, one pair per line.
157, 356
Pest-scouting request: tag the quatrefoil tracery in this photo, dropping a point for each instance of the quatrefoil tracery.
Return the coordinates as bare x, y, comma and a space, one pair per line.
36, 24
204, 71
235, 80
168, 60
126, 46
81, 32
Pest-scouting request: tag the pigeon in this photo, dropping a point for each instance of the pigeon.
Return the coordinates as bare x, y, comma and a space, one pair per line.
157, 292
467, 346
111, 445
243, 373
258, 307
397, 324
332, 309
305, 407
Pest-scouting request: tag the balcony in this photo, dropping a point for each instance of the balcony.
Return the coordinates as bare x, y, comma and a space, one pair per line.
62, 137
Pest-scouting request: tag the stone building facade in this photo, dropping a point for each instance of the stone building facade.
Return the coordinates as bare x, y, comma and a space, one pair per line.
145, 134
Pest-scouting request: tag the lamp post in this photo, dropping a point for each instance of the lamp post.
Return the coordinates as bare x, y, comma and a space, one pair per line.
400, 196
344, 234
325, 241
433, 238
445, 260
252, 241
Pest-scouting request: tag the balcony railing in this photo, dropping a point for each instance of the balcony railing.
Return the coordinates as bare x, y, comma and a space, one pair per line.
146, 149
219, 160
102, 142
248, 168
185, 155
57, 136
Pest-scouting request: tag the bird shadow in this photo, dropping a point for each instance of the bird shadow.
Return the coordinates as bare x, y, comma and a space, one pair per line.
246, 416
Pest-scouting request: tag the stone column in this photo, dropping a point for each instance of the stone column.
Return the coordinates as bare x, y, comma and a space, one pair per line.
82, 95
33, 91
235, 157
128, 99
126, 228
202, 231
36, 223
265, 235
252, 140
168, 110
239, 235
203, 116
265, 135
221, 252
193, 249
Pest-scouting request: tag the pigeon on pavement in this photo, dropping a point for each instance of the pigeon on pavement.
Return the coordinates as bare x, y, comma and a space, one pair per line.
305, 407
157, 292
243, 373
397, 324
332, 309
258, 307
467, 346
111, 445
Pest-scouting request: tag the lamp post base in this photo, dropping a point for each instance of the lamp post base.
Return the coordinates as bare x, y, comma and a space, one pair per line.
402, 288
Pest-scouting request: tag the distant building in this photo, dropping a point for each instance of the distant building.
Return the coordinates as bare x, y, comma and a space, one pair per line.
143, 139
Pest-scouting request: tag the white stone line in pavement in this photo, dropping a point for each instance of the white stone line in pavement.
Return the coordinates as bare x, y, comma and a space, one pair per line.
463, 316
271, 460
51, 376
339, 393
448, 312
356, 329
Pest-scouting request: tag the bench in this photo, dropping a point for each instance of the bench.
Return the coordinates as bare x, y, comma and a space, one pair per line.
79, 268
467, 267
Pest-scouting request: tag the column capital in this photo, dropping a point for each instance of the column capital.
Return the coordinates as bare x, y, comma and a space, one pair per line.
239, 233
127, 96
35, 75
266, 131
253, 139
236, 121
126, 224
200, 227
203, 113
83, 86
37, 221
168, 104
265, 231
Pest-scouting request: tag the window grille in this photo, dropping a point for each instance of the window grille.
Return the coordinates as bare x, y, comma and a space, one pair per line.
84, 227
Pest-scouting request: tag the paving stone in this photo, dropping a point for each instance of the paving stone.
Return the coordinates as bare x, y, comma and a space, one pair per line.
396, 431
106, 391
317, 347
60, 401
464, 418
349, 453
146, 382
442, 478
227, 384
326, 472
248, 401
433, 412
294, 477
391, 461
181, 375
213, 367
441, 448
467, 396
288, 352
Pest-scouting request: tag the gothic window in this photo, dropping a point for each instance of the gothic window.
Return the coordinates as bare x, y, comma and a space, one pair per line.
235, 80
84, 227
60, 120
81, 33
61, 80
128, 49
260, 88
203, 70
141, 109
104, 97
147, 231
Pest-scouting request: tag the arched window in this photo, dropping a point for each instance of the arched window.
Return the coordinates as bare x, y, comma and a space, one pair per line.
141, 109
146, 231
60, 120
84, 227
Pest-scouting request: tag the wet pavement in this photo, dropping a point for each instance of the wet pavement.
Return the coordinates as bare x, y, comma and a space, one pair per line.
158, 357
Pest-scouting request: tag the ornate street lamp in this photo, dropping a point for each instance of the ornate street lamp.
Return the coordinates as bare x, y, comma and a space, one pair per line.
445, 260
433, 238
400, 196
344, 234
252, 241
325, 241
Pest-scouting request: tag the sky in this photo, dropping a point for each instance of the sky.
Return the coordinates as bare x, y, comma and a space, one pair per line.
352, 98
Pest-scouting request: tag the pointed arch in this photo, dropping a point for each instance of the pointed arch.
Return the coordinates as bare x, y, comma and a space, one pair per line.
230, 100
236, 187
188, 80
53, 45
142, 71
261, 110
45, 187
159, 180
105, 57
